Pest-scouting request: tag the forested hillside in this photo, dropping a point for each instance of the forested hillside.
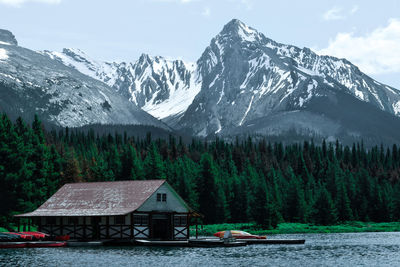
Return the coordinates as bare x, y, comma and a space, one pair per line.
226, 182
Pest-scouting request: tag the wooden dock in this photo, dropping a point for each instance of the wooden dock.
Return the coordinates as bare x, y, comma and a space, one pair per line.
201, 242
85, 243
275, 241
214, 242
157, 243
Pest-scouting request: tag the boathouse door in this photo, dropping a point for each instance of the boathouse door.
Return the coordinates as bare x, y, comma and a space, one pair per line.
161, 226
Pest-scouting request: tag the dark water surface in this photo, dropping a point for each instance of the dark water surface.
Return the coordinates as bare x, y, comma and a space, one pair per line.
356, 249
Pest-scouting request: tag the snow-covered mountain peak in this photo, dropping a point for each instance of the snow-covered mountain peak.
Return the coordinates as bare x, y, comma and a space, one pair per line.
236, 28
7, 38
247, 76
160, 86
77, 55
241, 77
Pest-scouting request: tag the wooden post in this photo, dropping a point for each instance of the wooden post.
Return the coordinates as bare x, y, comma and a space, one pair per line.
108, 226
39, 220
122, 228
132, 224
84, 228
173, 225
150, 225
74, 220
61, 226
18, 223
197, 224
187, 225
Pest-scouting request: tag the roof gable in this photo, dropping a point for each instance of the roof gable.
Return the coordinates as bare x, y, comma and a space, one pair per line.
97, 199
173, 203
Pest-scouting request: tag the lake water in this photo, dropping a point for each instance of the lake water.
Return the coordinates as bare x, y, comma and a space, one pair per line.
355, 249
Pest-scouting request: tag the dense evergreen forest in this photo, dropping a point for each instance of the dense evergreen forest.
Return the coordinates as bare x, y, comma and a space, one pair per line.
242, 181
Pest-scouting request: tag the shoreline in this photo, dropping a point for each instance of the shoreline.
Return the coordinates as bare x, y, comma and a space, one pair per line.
300, 228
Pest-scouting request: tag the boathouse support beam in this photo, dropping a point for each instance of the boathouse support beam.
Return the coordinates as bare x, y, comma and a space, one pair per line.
132, 225
197, 225
108, 226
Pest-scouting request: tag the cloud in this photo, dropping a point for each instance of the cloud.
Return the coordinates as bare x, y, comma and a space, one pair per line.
176, 1
206, 12
19, 3
354, 9
377, 52
337, 13
333, 14
247, 3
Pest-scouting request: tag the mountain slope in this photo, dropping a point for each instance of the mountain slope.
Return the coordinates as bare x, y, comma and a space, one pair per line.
246, 83
241, 77
160, 87
34, 83
249, 80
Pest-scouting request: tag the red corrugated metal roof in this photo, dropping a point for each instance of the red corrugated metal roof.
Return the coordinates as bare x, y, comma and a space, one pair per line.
97, 199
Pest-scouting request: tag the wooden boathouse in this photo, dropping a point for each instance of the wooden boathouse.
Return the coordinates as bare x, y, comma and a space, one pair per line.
115, 210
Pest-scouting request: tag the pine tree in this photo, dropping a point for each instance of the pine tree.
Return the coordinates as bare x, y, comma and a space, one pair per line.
72, 172
208, 193
324, 211
153, 164
296, 208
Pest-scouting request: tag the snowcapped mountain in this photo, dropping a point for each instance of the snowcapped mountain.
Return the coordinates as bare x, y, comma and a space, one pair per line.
245, 82
159, 86
251, 84
32, 83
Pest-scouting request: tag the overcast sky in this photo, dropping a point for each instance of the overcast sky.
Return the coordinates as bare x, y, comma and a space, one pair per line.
365, 32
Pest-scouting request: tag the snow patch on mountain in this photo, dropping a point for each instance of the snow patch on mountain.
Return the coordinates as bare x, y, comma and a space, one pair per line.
247, 111
76, 58
3, 54
396, 108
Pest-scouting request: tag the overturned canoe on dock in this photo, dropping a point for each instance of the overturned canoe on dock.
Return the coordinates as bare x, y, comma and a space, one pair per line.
215, 243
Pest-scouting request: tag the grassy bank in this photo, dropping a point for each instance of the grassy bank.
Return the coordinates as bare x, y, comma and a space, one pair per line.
295, 228
33, 228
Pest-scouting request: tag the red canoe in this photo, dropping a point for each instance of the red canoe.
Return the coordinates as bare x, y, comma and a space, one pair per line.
38, 244
62, 238
21, 235
46, 244
240, 235
36, 235
12, 244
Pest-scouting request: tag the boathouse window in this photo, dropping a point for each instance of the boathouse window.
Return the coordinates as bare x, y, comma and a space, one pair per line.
140, 220
180, 221
120, 219
72, 220
51, 220
161, 197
